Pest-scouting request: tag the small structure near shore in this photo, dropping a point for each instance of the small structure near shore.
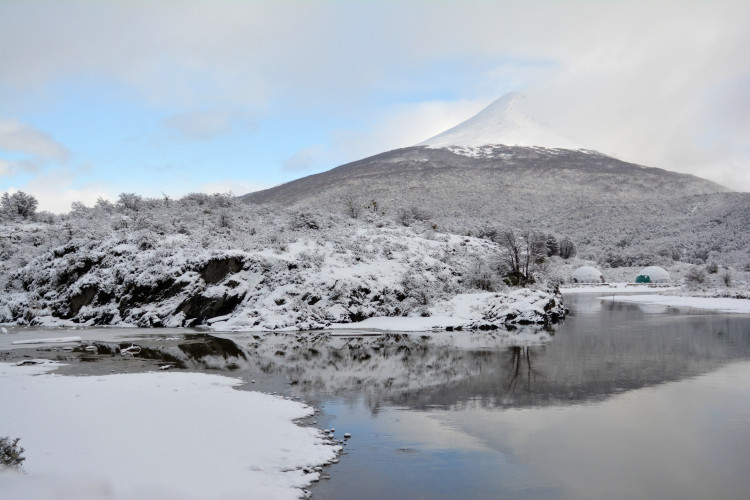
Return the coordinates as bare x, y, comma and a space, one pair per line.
652, 274
587, 274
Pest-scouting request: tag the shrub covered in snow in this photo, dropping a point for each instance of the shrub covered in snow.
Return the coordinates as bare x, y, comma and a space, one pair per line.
11, 455
695, 277
205, 260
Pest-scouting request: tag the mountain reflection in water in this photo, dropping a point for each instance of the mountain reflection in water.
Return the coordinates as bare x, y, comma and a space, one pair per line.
589, 357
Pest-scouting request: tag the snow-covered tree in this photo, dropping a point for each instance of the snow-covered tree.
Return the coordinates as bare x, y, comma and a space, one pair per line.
18, 204
104, 205
695, 277
130, 201
567, 248
351, 207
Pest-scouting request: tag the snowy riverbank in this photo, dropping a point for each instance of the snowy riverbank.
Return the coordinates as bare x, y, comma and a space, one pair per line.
470, 311
719, 304
154, 435
663, 295
259, 269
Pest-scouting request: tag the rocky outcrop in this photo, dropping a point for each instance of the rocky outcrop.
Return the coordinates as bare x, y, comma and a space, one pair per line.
198, 308
216, 270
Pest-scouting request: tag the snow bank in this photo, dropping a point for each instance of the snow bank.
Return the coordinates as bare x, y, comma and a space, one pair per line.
271, 270
51, 340
727, 305
154, 435
470, 311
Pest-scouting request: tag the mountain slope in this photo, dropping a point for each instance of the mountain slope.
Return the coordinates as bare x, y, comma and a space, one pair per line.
500, 159
536, 180
508, 179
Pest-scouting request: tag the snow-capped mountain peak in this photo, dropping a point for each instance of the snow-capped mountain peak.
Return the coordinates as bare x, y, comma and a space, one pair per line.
502, 122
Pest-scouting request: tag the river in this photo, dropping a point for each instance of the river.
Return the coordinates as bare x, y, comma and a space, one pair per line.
617, 401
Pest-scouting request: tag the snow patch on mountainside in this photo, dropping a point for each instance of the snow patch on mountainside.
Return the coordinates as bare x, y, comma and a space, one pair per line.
498, 151
502, 122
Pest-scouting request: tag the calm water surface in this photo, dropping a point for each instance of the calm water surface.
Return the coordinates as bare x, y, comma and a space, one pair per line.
620, 401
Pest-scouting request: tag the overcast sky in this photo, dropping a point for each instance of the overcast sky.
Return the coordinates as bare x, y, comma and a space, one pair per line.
99, 98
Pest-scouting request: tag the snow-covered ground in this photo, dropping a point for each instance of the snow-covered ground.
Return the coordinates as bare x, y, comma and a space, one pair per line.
465, 311
677, 296
154, 436
720, 304
258, 268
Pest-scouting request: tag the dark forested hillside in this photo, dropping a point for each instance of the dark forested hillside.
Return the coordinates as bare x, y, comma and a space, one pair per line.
618, 213
484, 181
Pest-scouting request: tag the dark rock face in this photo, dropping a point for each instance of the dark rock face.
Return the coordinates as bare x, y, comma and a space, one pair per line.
109, 298
162, 289
200, 308
216, 270
85, 297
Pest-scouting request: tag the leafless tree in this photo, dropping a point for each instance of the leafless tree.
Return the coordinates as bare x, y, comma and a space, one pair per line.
726, 278
521, 257
567, 248
695, 277
352, 208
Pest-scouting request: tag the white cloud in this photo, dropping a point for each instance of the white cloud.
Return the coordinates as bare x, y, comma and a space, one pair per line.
21, 138
12, 167
641, 80
651, 95
205, 125
310, 158
405, 125
56, 190
394, 127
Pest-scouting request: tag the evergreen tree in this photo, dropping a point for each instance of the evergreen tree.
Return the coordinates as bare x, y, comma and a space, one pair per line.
553, 248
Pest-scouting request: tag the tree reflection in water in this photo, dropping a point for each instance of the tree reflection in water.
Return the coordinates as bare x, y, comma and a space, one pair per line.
587, 358
520, 356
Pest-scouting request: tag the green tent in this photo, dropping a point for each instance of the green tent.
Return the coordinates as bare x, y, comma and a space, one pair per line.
642, 278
